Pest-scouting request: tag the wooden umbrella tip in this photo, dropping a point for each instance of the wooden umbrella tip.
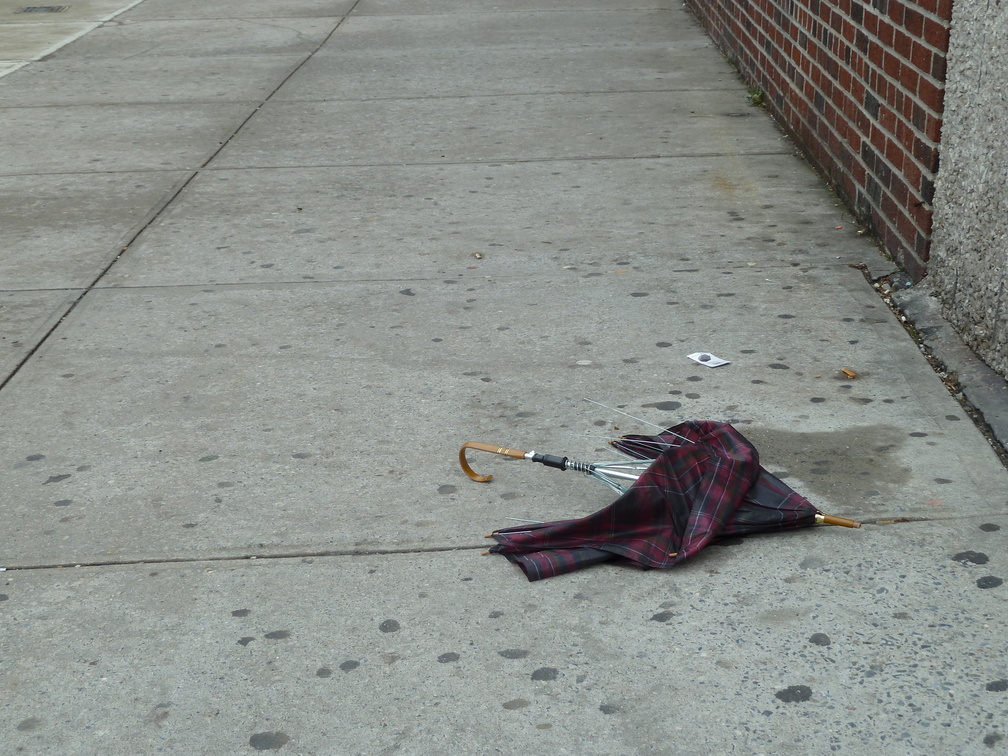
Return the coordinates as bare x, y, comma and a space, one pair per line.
834, 520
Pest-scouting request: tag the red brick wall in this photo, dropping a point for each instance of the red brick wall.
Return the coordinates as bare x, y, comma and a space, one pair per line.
859, 86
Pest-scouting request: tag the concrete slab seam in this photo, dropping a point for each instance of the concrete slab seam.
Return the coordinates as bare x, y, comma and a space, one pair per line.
62, 43
266, 556
505, 161
161, 206
246, 557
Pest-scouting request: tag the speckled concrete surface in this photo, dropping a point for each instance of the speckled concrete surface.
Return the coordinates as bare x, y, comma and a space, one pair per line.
210, 405
248, 317
889, 640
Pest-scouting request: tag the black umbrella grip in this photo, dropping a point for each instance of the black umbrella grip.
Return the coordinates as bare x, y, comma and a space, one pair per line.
550, 460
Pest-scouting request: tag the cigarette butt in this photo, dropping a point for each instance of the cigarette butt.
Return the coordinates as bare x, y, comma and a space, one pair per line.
849, 373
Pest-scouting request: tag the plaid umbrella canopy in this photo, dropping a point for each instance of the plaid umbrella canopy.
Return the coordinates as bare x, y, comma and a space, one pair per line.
702, 481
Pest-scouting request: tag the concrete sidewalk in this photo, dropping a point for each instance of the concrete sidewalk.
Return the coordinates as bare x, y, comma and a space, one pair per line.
263, 274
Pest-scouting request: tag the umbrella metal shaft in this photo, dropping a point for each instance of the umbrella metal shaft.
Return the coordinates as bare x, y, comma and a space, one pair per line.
607, 473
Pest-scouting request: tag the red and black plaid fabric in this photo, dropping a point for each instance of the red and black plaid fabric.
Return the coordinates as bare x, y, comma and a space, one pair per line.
769, 506
705, 483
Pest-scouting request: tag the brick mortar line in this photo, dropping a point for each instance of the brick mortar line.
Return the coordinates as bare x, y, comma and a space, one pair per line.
772, 66
872, 37
803, 54
924, 12
914, 191
927, 14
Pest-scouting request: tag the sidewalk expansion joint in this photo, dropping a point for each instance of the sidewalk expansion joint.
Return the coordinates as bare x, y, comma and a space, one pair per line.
162, 205
495, 161
323, 553
508, 95
247, 557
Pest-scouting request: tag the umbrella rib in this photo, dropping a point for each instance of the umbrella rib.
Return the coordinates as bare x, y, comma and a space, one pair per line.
638, 419
644, 441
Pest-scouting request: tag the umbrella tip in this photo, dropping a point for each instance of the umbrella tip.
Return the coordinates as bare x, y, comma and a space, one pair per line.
825, 519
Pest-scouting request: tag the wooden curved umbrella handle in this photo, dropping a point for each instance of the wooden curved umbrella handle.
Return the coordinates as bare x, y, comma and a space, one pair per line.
513, 453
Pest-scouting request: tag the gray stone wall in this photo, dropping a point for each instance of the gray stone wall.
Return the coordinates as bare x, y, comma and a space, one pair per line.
968, 269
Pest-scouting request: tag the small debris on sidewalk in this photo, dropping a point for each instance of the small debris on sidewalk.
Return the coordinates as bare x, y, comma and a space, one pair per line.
707, 359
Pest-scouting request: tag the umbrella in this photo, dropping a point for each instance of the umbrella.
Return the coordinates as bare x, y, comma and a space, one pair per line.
692, 484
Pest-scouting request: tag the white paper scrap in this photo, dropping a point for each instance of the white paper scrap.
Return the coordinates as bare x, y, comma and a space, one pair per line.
707, 359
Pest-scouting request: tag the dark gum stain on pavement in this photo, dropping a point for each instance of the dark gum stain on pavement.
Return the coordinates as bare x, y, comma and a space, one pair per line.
794, 694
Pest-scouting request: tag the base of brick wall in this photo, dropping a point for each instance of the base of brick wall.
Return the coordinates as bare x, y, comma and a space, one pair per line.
859, 88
